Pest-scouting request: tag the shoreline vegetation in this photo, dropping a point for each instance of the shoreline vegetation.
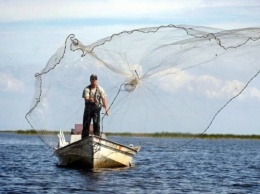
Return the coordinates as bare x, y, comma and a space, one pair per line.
154, 135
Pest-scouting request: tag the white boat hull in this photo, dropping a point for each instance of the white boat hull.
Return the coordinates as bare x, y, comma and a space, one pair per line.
96, 152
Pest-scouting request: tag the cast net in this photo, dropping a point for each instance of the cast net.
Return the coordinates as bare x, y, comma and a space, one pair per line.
159, 79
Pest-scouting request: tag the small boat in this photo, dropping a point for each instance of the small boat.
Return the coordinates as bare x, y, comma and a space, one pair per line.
93, 152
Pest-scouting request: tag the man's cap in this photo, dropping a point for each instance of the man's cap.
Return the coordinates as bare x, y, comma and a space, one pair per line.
93, 77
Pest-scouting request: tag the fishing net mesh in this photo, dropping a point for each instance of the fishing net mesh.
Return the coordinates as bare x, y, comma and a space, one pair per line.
168, 78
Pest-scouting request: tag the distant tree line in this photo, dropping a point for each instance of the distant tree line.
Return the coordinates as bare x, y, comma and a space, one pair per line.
155, 135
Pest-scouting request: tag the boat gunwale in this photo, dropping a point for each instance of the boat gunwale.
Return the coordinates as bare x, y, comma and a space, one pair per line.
58, 151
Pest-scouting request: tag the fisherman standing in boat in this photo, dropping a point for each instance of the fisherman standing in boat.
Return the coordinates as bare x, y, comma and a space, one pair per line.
93, 95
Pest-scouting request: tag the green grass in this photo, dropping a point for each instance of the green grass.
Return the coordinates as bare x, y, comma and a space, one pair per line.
33, 132
185, 135
154, 135
27, 132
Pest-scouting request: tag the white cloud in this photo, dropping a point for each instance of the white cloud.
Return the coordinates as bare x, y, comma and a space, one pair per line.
232, 88
250, 92
218, 88
16, 10
10, 83
254, 92
206, 85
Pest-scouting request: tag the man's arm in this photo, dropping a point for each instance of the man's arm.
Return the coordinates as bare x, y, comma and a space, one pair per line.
86, 96
92, 100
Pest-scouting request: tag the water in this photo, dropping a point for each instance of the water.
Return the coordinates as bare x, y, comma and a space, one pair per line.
204, 166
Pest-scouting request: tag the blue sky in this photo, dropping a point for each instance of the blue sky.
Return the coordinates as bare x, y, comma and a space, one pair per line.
32, 30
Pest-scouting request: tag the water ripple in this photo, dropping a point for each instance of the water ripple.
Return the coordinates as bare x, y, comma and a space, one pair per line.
205, 166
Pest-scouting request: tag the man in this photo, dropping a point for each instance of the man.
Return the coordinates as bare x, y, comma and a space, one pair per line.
93, 95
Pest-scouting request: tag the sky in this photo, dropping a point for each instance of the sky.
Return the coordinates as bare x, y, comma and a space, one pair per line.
32, 30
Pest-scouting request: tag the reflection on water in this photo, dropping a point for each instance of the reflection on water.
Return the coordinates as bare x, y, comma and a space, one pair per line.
204, 166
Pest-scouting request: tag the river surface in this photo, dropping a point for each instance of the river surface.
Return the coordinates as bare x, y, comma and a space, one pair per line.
202, 166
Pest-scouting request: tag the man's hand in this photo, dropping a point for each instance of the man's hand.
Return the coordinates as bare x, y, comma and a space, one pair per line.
107, 112
92, 100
